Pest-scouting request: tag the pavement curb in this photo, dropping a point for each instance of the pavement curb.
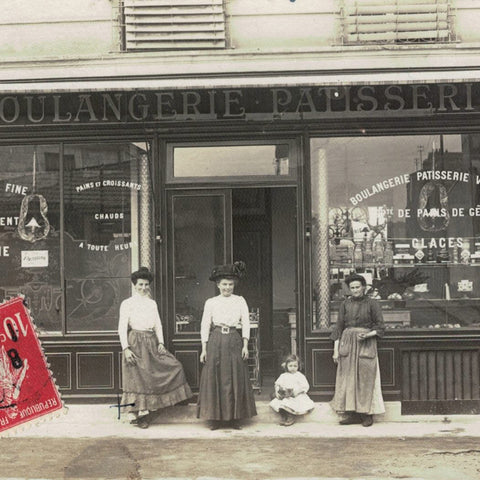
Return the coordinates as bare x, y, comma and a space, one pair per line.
100, 420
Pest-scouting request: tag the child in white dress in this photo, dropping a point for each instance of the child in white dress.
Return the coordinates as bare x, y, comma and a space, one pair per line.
291, 389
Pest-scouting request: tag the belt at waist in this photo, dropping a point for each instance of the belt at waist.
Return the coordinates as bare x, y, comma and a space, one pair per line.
224, 329
142, 332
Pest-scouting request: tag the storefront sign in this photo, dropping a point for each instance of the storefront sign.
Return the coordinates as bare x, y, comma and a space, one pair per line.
302, 103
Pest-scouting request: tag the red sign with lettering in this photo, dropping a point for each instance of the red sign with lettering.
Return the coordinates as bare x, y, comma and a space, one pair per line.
27, 388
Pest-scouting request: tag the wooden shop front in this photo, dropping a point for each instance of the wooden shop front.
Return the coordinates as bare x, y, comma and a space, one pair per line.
305, 183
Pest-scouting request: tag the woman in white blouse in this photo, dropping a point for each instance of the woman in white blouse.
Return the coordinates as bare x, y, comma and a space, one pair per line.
152, 377
226, 395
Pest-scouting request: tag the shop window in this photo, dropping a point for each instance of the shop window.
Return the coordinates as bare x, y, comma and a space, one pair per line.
104, 193
161, 25
219, 163
397, 21
403, 211
30, 232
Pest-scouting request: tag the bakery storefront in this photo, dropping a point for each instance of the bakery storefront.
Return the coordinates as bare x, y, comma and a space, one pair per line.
306, 184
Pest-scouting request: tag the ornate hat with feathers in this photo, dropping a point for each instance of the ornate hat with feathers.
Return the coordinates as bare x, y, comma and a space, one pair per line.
231, 270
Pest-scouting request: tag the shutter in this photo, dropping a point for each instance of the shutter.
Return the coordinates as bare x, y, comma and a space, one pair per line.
397, 21
174, 24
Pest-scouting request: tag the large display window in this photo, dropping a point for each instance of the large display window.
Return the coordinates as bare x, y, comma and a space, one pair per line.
30, 259
70, 225
403, 211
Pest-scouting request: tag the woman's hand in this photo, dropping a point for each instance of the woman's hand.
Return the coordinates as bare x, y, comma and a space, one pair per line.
245, 352
203, 356
130, 357
335, 356
364, 336
161, 348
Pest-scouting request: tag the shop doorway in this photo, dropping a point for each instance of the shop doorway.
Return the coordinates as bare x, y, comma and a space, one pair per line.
255, 225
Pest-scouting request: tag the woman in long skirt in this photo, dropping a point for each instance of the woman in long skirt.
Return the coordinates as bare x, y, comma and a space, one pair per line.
226, 395
152, 377
357, 388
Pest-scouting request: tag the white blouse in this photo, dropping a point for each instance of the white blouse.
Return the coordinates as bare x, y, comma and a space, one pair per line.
138, 313
231, 311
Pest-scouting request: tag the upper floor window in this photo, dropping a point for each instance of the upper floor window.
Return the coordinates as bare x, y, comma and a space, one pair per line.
172, 24
397, 21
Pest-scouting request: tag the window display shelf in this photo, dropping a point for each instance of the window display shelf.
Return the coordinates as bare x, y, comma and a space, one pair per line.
403, 265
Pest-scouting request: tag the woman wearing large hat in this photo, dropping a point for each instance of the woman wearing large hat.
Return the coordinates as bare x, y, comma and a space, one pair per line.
152, 378
226, 395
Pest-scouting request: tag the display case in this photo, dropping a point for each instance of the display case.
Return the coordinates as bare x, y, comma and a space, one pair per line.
417, 285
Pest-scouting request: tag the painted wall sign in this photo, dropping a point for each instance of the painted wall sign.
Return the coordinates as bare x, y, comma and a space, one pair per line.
291, 103
423, 175
108, 217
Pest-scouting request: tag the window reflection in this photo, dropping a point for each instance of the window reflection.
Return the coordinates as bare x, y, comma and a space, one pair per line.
404, 212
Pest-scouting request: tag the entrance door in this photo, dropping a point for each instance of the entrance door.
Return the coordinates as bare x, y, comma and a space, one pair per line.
208, 227
252, 243
199, 236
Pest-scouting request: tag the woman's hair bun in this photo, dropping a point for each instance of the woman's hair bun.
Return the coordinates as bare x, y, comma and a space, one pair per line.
143, 273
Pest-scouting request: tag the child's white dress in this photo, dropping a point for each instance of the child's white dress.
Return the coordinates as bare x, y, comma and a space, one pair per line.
298, 404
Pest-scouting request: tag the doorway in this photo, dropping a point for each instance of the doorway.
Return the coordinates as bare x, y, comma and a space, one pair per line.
256, 225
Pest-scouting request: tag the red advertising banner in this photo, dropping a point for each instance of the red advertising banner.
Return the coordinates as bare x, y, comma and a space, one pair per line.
27, 388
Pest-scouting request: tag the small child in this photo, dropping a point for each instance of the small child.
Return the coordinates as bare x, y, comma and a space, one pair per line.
291, 389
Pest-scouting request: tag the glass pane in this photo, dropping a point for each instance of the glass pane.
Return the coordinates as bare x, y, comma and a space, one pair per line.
29, 231
404, 212
199, 243
103, 185
228, 161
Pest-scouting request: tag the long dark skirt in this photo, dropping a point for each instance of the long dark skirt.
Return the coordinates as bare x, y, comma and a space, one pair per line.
157, 380
225, 389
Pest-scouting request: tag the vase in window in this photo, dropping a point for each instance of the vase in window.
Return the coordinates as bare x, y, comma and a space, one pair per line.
378, 252
368, 253
388, 254
358, 254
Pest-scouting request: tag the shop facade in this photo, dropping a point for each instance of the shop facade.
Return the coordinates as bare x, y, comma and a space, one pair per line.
306, 180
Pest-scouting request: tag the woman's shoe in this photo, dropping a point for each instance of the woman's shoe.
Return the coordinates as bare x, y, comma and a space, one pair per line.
215, 424
367, 420
143, 423
236, 425
351, 419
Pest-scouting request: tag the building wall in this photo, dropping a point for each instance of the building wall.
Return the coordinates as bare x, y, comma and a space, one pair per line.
57, 28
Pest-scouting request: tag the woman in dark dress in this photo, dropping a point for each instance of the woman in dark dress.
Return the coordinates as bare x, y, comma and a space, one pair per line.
357, 388
152, 377
226, 395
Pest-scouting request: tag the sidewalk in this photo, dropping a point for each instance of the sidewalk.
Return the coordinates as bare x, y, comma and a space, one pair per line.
97, 421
